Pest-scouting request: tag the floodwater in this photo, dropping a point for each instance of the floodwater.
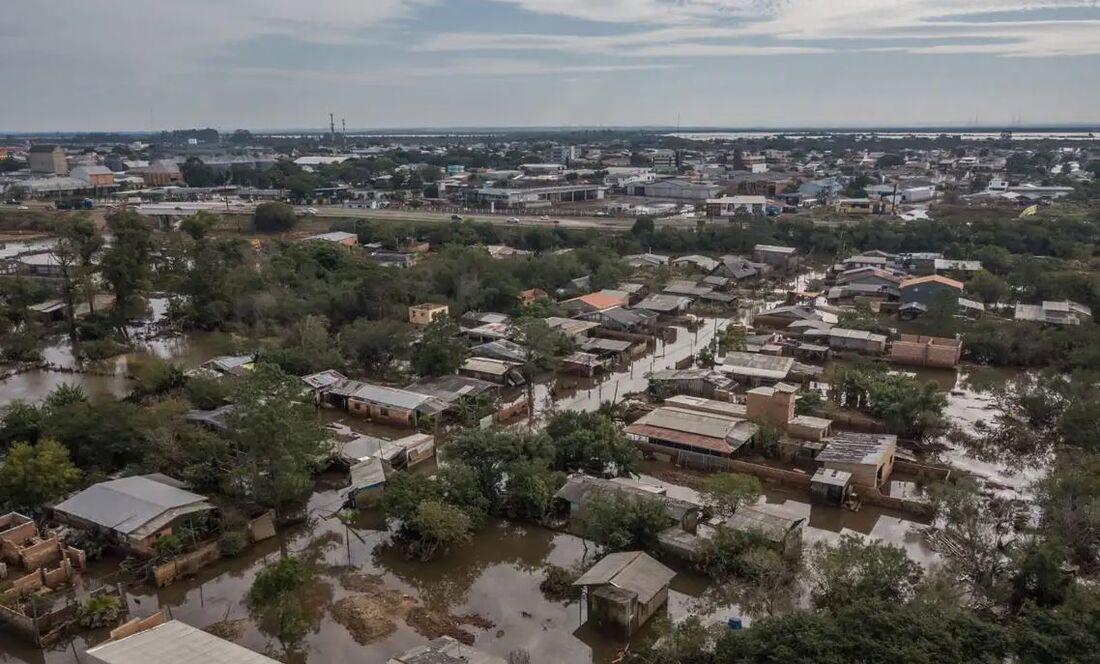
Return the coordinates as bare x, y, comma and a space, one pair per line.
495, 576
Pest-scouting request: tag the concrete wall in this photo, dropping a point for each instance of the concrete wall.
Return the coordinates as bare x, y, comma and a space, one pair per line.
775, 410
187, 564
373, 411
926, 351
137, 625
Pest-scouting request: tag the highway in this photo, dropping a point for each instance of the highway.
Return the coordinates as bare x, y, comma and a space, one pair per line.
418, 216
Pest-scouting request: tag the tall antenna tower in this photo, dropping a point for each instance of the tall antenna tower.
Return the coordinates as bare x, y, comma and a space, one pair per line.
343, 132
332, 127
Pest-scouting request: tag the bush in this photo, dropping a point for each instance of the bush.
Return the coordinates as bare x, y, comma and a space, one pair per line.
169, 545
232, 542
274, 217
557, 584
100, 611
205, 393
101, 349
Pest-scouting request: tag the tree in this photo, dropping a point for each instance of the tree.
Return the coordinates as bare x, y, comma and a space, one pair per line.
643, 227
440, 351
276, 436
977, 526
33, 475
273, 217
438, 526
198, 225
125, 264
727, 492
988, 287
592, 443
853, 572
21, 422
198, 174
276, 600
529, 490
375, 345
543, 347
890, 161
78, 244
621, 522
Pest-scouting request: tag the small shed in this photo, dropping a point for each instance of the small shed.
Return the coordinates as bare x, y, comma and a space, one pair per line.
624, 590
830, 486
781, 531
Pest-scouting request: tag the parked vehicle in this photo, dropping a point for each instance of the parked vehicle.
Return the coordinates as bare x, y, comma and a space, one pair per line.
513, 220
456, 217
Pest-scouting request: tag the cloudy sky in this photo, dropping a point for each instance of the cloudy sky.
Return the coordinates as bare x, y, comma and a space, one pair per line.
124, 65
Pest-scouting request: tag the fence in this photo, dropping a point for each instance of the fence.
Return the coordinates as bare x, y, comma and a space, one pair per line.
189, 563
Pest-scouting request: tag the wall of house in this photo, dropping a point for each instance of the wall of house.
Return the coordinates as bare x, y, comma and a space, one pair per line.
863, 474
647, 611
376, 412
775, 410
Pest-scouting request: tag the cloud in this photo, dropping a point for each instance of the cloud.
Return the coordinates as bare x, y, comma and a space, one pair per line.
701, 28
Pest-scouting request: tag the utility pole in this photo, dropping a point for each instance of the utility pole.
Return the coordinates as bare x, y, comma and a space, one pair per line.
332, 127
344, 132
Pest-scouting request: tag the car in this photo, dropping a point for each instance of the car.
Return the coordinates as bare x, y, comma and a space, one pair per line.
544, 217
456, 217
513, 220
23, 207
601, 213
312, 211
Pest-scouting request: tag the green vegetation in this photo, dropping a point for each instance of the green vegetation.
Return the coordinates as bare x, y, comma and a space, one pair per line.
273, 217
100, 611
34, 475
275, 600
909, 409
724, 493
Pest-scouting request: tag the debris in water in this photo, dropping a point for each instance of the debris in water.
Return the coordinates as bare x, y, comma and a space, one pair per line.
370, 617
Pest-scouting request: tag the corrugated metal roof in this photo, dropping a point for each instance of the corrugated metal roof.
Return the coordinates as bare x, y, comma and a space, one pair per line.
633, 571
390, 396
752, 518
174, 642
690, 421
758, 365
864, 448
128, 504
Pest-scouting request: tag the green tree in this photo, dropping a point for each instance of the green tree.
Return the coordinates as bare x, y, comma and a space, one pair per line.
438, 527
277, 438
125, 264
440, 350
988, 287
33, 475
621, 522
21, 422
274, 217
275, 599
198, 225
375, 345
725, 493
853, 571
543, 348
592, 443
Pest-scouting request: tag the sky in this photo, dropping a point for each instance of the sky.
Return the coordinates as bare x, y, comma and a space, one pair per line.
117, 65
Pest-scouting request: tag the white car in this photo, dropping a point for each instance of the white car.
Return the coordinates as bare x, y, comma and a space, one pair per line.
513, 220
312, 211
544, 217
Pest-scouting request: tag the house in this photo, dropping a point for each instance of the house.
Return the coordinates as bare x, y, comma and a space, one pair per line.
783, 532
702, 263
501, 349
929, 289
785, 315
598, 301
860, 341
684, 434
869, 457
784, 259
1065, 312
922, 351
396, 454
696, 382
624, 590
646, 260
423, 314
453, 389
229, 365
951, 265
859, 206
47, 159
43, 264
756, 368
728, 206
498, 372
622, 320
772, 406
686, 288
444, 650
871, 276
829, 486
341, 238
171, 642
579, 489
634, 291
571, 327
665, 304
531, 295
133, 512
320, 382
738, 268
703, 405
613, 351
398, 259
391, 404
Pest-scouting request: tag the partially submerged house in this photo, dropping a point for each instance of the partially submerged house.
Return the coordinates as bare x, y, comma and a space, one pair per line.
1065, 312
922, 351
843, 339
705, 383
231, 365
689, 436
424, 314
133, 512
444, 650
498, 372
756, 368
578, 491
624, 590
391, 404
783, 532
869, 457
783, 259
829, 486
783, 316
665, 304
171, 642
